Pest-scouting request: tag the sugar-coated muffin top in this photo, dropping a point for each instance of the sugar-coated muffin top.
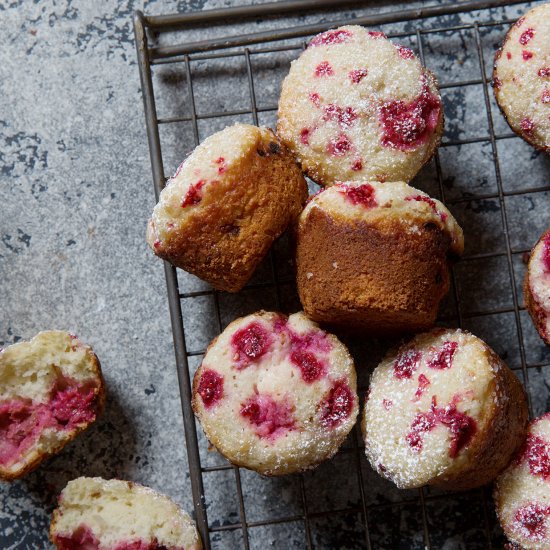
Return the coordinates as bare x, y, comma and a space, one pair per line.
521, 78
539, 277
276, 394
357, 106
119, 515
426, 404
522, 492
374, 201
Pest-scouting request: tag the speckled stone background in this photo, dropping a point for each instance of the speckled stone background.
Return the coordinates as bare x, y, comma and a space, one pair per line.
75, 196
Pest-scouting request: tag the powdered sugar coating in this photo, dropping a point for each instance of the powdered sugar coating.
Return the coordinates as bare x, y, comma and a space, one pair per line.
287, 409
521, 77
522, 492
431, 431
373, 201
537, 285
376, 113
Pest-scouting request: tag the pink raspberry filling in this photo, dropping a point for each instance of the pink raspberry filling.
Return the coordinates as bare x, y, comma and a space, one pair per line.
406, 363
337, 406
304, 135
22, 421
526, 36
443, 358
345, 117
250, 343
405, 53
324, 69
339, 146
406, 126
357, 165
527, 125
270, 418
194, 194
357, 75
210, 387
544, 71
529, 521
461, 426
315, 98
536, 452
377, 34
526, 54
331, 37
310, 367
423, 384
364, 195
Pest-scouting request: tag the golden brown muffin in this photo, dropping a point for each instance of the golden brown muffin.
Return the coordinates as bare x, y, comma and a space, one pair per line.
357, 107
52, 389
522, 492
276, 394
536, 287
443, 410
375, 256
99, 514
521, 77
226, 204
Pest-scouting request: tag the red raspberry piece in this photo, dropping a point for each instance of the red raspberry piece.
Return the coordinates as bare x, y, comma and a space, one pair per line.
339, 146
509, 55
431, 202
526, 36
406, 363
337, 406
156, 244
497, 83
529, 521
443, 358
405, 53
357, 165
544, 71
536, 452
270, 418
345, 117
82, 537
324, 69
357, 75
311, 368
526, 54
423, 383
315, 99
546, 253
222, 166
210, 387
331, 37
193, 195
422, 423
545, 98
359, 194
520, 21
250, 343
377, 34
304, 136
527, 125
387, 404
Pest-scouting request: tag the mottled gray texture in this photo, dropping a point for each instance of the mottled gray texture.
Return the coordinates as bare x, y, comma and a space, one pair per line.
77, 192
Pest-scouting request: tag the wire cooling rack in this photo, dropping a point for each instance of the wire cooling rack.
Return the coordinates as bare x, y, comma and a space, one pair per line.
495, 185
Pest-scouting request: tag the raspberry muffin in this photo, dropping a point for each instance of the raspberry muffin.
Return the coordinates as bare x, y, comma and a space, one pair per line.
443, 410
521, 77
536, 287
375, 257
522, 492
98, 514
276, 394
226, 204
358, 107
52, 390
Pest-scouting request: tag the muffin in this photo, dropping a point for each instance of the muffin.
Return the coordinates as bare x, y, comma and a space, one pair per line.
94, 513
536, 287
522, 492
276, 394
443, 410
226, 204
52, 390
356, 107
375, 257
521, 77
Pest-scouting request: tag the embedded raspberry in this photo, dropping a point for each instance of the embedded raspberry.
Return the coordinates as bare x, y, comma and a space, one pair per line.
331, 37
357, 75
387, 404
270, 418
405, 53
497, 83
210, 387
377, 34
222, 166
422, 423
250, 343
339, 146
311, 368
406, 363
529, 521
73, 405
406, 126
194, 194
357, 165
345, 117
526, 36
545, 98
156, 244
520, 21
431, 202
527, 125
526, 54
315, 99
536, 452
443, 358
324, 69
546, 253
337, 406
509, 55
544, 72
423, 383
82, 538
359, 194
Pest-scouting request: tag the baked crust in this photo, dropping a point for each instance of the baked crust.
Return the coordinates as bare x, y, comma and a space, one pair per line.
377, 276
38, 457
225, 237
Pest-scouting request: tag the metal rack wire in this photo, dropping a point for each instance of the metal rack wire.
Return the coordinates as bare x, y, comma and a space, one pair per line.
265, 42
